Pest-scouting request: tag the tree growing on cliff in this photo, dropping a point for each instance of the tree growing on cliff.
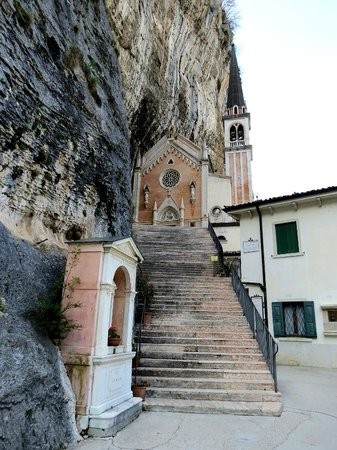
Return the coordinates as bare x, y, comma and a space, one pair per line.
231, 12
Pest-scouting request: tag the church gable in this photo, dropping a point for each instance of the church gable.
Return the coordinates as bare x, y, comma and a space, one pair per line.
167, 149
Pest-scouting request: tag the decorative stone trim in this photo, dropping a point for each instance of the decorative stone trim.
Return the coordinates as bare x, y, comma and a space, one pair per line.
107, 287
102, 360
168, 152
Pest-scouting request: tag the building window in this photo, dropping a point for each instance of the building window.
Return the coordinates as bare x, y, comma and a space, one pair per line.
329, 320
332, 315
240, 133
236, 132
170, 178
286, 238
294, 319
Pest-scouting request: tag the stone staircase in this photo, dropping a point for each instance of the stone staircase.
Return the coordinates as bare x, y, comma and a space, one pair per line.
198, 354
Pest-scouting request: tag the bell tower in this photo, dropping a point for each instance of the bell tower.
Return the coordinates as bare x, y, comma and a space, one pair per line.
238, 151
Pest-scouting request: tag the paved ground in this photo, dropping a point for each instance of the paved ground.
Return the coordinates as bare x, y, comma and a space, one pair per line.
308, 421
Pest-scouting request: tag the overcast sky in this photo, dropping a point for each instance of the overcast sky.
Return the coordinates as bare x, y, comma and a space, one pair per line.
287, 52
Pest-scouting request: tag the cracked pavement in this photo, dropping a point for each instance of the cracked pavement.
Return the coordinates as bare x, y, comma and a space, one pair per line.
308, 421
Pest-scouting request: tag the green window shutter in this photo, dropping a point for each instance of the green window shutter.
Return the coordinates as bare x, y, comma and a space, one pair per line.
309, 318
278, 320
286, 238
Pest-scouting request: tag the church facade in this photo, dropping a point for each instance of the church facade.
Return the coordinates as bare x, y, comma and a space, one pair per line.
174, 181
173, 185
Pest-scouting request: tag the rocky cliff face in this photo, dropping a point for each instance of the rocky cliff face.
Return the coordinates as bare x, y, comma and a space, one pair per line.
84, 86
37, 405
65, 157
174, 58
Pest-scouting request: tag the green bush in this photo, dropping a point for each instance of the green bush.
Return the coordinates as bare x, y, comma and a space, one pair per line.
145, 289
49, 316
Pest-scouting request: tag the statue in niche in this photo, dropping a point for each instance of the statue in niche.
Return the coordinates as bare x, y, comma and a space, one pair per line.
192, 191
146, 195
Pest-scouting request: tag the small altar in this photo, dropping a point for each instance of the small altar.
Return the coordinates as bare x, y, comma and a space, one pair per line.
103, 273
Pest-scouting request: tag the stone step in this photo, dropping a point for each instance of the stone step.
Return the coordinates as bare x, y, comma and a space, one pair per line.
206, 383
213, 309
202, 292
192, 333
222, 374
178, 347
189, 355
196, 302
229, 308
244, 332
213, 394
199, 317
183, 285
199, 341
204, 364
213, 407
188, 321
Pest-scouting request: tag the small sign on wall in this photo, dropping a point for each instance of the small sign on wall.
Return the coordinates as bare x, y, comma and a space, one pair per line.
250, 246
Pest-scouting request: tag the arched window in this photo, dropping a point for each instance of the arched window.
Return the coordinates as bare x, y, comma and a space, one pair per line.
119, 302
237, 132
233, 133
240, 133
235, 109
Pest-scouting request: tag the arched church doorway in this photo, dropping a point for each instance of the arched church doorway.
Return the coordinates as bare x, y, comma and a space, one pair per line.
170, 217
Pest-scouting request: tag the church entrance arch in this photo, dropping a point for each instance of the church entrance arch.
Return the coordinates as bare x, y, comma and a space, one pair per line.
170, 217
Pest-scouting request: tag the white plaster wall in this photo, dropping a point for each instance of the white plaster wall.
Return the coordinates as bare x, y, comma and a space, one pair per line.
306, 353
251, 267
219, 194
309, 276
232, 235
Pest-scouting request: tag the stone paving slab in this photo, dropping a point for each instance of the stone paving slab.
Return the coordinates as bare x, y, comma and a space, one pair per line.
308, 421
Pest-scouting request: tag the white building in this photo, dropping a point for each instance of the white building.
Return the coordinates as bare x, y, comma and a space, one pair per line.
289, 254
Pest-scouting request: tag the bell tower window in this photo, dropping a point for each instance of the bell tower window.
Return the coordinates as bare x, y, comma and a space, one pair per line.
240, 133
233, 133
237, 135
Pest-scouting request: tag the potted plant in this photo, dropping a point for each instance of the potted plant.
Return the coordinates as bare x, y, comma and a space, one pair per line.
138, 388
114, 338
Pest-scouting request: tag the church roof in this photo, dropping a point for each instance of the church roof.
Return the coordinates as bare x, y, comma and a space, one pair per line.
235, 94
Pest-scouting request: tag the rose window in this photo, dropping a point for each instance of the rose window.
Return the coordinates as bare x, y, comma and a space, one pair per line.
170, 178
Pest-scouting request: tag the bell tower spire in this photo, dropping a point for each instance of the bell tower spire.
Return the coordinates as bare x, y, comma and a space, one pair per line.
235, 94
238, 151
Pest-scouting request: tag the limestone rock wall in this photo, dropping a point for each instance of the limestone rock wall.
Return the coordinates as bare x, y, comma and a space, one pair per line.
64, 146
174, 58
37, 405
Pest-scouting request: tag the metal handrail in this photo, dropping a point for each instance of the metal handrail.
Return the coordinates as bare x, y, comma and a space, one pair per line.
218, 246
138, 326
267, 344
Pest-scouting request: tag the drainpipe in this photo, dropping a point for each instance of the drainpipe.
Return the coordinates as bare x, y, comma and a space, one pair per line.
263, 266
